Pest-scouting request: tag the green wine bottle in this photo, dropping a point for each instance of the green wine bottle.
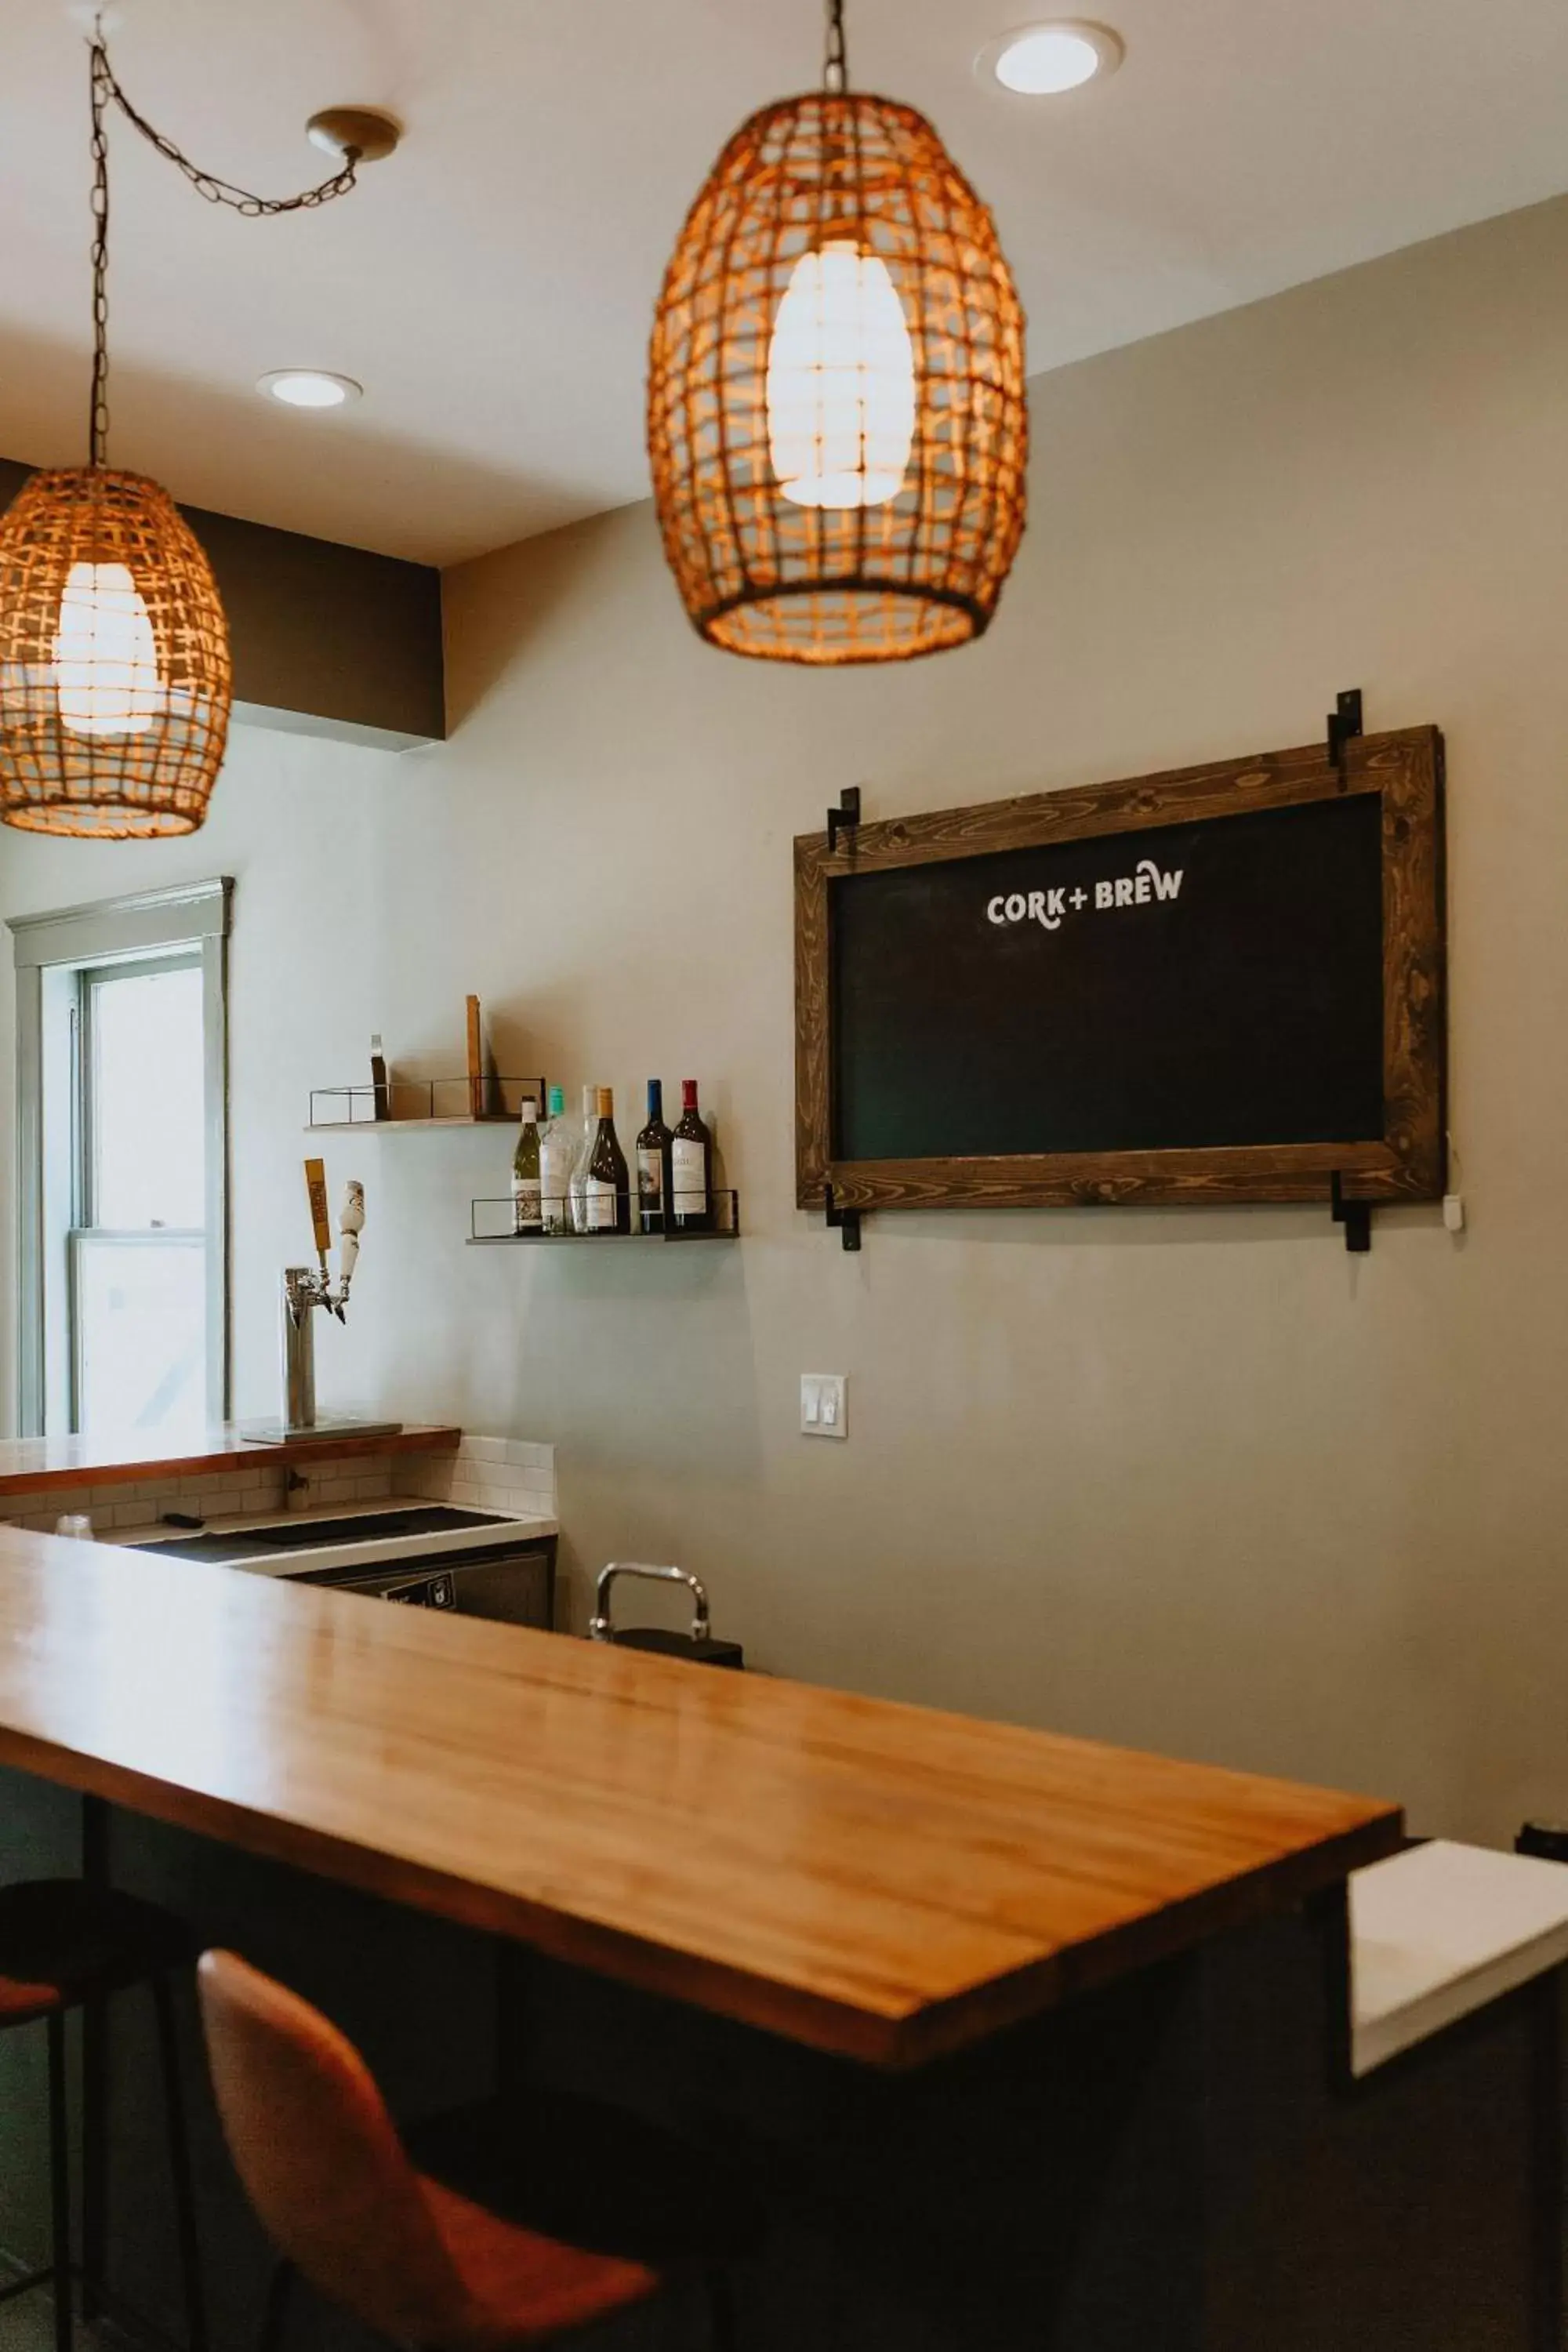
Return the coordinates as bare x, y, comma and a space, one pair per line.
608, 1199
527, 1213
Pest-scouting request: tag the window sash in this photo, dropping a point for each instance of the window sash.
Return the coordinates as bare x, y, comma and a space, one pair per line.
48, 949
85, 1172
107, 1236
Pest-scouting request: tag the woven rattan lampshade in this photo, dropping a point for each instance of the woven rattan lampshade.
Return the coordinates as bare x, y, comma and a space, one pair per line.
853, 507
115, 680
114, 667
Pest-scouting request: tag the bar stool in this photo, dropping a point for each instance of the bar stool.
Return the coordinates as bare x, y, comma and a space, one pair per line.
422, 2263
65, 1945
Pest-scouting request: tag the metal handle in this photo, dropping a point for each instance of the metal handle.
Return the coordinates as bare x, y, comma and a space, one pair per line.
599, 1626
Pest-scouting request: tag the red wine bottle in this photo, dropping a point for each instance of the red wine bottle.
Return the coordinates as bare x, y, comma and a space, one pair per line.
652, 1163
691, 1167
606, 1197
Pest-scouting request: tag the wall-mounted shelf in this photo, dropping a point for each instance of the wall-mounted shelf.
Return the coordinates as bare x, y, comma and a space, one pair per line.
418, 1102
496, 1216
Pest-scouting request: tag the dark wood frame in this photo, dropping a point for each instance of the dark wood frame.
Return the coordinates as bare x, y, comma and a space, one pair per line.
1408, 1163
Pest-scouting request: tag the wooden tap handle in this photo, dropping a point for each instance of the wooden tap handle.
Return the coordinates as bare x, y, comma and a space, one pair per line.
316, 1186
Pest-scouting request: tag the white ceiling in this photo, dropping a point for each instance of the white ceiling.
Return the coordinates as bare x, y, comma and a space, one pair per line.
491, 285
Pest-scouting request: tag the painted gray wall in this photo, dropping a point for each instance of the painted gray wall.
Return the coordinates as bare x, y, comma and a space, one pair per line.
1190, 1479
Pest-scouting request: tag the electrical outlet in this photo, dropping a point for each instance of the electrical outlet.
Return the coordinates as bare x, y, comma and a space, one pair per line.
824, 1404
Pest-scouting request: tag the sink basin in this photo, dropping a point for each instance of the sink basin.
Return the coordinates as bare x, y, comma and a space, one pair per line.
322, 1535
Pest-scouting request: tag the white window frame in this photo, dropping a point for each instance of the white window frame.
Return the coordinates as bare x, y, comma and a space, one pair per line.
50, 951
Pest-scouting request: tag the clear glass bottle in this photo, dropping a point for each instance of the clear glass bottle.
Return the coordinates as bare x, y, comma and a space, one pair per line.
557, 1153
584, 1152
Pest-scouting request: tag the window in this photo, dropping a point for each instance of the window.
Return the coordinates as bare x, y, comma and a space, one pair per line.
121, 1082
136, 1286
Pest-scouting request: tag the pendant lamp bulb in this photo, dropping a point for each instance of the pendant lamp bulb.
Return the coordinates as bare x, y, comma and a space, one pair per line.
836, 66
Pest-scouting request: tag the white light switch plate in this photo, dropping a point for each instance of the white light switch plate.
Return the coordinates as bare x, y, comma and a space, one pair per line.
824, 1404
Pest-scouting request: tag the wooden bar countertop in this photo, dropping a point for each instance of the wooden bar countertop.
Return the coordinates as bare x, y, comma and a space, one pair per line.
47, 1464
876, 1880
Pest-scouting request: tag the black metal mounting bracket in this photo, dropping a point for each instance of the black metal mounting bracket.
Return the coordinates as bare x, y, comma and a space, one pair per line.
1354, 1216
847, 1220
1344, 725
845, 818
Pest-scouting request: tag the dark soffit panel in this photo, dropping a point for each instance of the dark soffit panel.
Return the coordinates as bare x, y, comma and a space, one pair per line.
327, 640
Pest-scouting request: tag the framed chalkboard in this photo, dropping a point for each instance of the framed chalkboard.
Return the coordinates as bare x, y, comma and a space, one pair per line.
1227, 982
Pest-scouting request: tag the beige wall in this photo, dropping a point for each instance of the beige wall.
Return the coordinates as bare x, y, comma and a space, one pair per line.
1192, 1479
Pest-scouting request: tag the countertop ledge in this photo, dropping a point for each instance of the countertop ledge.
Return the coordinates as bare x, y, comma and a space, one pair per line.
1442, 1931
876, 1880
502, 1526
34, 1466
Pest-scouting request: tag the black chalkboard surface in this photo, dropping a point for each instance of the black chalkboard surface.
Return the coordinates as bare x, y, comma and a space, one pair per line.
1225, 983
1229, 993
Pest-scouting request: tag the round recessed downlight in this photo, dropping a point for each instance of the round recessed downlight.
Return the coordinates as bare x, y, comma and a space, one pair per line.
308, 388
1044, 60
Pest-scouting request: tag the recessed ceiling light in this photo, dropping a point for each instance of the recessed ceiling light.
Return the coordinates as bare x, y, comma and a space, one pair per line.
1044, 60
308, 388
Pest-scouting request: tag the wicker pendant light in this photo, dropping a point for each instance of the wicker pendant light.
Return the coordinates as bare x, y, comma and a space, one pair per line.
838, 420
115, 681
114, 670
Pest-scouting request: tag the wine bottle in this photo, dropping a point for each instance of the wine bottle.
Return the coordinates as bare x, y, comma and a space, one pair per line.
379, 1091
557, 1151
691, 1166
606, 1191
578, 1199
653, 1162
527, 1213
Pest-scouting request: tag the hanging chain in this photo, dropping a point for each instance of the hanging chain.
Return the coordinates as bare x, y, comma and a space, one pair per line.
836, 66
98, 412
106, 90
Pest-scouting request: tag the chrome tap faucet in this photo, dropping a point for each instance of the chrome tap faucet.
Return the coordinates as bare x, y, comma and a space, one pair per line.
306, 1288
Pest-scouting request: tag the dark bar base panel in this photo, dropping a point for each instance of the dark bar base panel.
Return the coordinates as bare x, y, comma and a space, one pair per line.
1180, 2164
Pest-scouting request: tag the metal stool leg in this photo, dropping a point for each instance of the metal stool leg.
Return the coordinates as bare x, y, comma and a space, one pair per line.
722, 2334
60, 2183
180, 2168
279, 2289
94, 2156
94, 2086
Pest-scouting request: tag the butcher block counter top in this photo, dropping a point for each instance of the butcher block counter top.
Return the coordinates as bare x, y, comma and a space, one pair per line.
40, 1464
874, 1880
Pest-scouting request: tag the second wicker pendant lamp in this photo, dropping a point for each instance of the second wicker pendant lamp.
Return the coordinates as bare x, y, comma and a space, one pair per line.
837, 418
115, 679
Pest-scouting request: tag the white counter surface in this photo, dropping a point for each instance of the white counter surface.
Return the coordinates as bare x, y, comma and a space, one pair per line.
499, 1527
1441, 1931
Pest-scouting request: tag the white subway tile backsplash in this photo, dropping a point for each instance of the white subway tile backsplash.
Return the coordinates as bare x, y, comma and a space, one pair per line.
488, 1474
496, 1477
